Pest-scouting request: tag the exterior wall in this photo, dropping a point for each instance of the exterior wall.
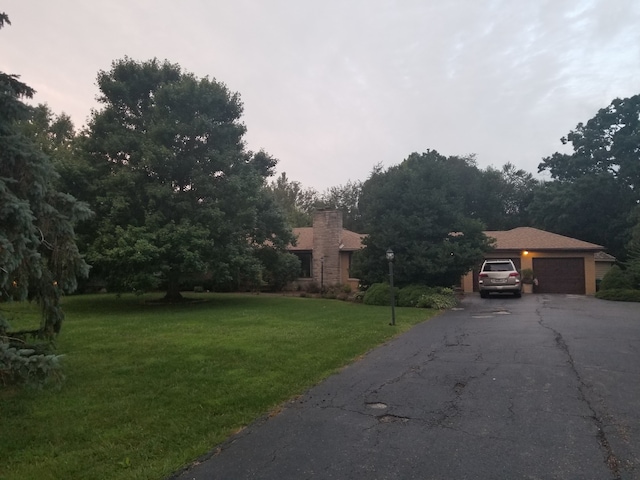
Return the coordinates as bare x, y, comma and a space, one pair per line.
345, 279
602, 268
526, 261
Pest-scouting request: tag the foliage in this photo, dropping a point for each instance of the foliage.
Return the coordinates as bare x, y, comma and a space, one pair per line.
176, 192
420, 296
378, 294
419, 209
39, 259
604, 160
132, 362
570, 207
619, 295
527, 276
280, 268
296, 202
605, 145
516, 189
615, 279
29, 367
633, 251
439, 300
299, 204
344, 198
408, 296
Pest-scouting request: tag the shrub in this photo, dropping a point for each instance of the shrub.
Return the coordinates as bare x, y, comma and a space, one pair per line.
313, 287
527, 276
619, 295
438, 301
615, 278
410, 295
377, 294
358, 297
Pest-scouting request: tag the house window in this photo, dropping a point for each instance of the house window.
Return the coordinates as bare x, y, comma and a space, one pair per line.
305, 264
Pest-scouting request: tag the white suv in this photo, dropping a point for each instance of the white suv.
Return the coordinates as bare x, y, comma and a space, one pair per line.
499, 276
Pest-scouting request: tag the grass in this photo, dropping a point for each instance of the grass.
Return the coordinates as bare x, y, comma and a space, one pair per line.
152, 387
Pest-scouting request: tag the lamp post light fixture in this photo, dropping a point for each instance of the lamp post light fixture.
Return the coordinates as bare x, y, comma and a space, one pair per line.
390, 257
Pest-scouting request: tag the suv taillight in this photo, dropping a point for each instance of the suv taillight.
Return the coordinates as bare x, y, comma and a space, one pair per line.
483, 275
514, 274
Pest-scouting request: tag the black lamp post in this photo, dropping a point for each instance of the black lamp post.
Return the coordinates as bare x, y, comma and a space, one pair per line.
390, 257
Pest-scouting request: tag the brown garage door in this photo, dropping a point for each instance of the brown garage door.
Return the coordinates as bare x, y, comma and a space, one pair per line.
559, 275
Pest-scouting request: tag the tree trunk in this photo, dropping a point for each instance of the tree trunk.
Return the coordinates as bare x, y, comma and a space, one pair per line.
173, 288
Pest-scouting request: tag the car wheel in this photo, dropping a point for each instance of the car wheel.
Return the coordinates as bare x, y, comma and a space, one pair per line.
484, 294
517, 294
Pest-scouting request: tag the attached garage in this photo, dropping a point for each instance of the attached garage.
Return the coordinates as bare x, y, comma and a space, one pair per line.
560, 264
560, 275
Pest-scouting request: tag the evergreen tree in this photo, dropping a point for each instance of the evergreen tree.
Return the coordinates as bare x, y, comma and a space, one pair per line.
38, 254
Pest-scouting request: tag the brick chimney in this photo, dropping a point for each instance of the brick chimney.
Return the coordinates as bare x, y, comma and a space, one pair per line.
327, 233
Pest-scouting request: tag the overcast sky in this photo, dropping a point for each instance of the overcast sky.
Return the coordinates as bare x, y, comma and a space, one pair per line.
332, 88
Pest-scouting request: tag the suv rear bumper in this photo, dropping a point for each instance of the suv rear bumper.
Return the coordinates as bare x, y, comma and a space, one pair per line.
500, 288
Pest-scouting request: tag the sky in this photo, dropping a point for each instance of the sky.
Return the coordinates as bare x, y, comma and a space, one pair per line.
334, 88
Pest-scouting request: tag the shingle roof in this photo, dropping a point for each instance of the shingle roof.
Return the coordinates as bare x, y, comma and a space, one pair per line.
528, 238
350, 241
604, 257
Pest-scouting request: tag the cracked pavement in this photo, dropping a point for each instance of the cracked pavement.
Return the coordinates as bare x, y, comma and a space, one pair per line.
542, 387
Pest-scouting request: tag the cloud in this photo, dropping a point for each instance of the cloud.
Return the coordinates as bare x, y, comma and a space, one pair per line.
333, 88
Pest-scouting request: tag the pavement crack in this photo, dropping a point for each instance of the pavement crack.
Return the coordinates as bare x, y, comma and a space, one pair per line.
610, 458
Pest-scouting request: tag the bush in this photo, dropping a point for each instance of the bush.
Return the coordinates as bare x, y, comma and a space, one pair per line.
615, 278
619, 295
358, 297
312, 287
410, 295
438, 301
377, 294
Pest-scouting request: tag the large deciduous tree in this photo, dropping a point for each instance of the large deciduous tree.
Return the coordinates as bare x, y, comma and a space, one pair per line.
178, 192
419, 208
597, 186
38, 255
608, 144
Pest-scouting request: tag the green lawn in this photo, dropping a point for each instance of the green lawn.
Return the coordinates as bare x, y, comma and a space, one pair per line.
151, 387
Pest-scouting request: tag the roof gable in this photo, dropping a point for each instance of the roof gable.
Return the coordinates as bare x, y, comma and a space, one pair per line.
528, 238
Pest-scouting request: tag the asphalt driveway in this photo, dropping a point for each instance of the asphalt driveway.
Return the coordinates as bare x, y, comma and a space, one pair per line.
542, 387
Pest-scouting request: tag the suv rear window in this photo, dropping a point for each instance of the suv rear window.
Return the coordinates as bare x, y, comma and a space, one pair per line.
498, 267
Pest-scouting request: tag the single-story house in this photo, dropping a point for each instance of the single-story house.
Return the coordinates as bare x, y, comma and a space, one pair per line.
560, 264
325, 251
